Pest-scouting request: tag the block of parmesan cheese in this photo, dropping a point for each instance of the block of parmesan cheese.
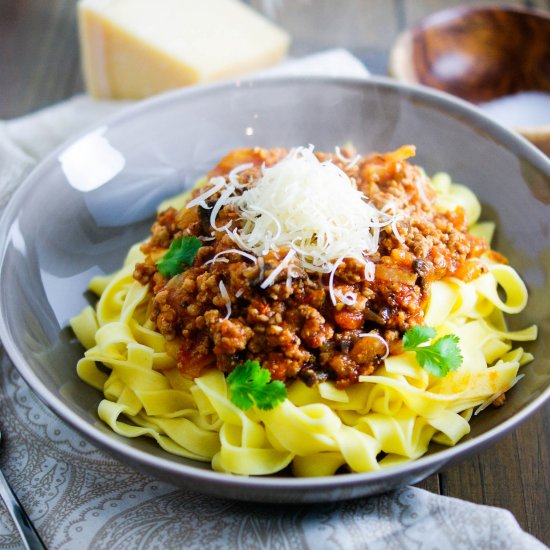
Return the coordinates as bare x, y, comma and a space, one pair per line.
136, 48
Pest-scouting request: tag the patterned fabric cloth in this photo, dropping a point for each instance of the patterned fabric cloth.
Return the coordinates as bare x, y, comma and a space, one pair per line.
79, 497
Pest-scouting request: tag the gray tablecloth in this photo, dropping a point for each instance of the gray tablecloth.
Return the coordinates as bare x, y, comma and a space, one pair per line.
79, 497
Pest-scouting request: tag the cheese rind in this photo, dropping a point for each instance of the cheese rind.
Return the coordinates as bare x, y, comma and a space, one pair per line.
136, 48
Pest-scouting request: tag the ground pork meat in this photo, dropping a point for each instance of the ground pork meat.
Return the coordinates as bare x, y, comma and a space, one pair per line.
292, 327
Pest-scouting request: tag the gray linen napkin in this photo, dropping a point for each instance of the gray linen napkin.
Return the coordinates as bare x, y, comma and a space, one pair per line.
79, 497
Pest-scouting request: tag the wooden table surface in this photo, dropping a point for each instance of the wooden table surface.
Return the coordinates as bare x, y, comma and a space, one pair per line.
39, 65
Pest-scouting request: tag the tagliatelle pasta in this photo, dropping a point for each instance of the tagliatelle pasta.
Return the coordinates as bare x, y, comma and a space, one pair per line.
385, 417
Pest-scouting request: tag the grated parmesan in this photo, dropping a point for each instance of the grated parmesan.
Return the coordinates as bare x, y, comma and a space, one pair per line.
496, 395
273, 275
217, 258
380, 339
306, 206
217, 184
225, 296
348, 162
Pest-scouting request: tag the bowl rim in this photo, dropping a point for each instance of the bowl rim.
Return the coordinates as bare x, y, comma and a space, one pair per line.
275, 484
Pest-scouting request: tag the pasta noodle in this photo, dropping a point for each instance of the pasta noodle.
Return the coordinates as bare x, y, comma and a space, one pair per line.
384, 418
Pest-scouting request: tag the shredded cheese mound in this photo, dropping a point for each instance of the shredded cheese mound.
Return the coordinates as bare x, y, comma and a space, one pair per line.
308, 207
311, 207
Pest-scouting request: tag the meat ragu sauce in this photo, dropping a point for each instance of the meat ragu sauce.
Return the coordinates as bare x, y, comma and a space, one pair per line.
292, 328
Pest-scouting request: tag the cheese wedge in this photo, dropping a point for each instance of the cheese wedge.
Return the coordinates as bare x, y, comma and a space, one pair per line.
136, 48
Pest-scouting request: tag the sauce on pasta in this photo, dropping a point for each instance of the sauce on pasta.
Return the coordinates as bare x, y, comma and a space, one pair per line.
292, 327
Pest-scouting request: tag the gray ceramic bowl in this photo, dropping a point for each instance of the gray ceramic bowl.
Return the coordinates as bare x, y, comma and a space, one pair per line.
54, 238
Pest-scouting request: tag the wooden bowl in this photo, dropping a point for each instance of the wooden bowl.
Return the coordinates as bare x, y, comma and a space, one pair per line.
479, 54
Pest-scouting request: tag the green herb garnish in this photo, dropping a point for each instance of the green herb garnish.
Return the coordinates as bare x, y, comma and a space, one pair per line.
181, 254
250, 385
439, 357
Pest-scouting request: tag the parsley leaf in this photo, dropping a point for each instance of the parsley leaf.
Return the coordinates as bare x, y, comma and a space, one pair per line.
250, 385
181, 253
439, 357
